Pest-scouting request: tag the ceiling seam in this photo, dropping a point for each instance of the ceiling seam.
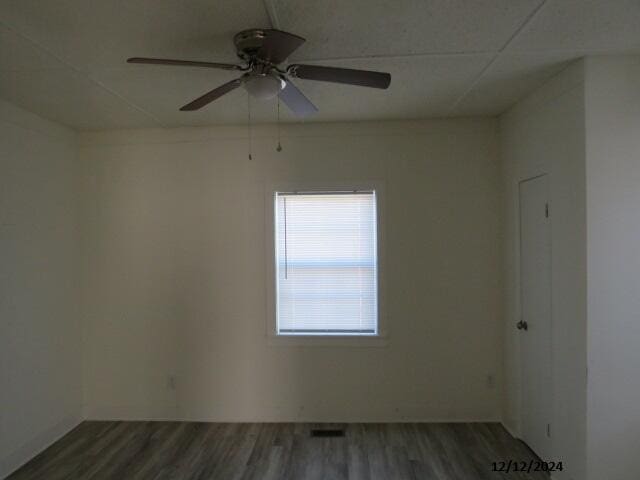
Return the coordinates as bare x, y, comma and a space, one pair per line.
513, 36
401, 56
85, 75
272, 13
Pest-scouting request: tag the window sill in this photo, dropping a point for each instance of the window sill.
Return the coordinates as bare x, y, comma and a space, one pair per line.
327, 340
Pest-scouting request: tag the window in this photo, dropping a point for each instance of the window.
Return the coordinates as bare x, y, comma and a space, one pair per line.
326, 263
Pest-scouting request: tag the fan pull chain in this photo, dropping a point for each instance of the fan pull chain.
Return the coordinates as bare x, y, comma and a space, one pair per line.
279, 147
249, 132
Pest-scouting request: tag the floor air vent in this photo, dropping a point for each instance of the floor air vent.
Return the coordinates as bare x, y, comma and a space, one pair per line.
327, 433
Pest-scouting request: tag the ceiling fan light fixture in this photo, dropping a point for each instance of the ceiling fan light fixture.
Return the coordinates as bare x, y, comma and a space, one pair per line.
263, 87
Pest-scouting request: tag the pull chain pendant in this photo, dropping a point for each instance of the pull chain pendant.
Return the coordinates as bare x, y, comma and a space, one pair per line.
249, 132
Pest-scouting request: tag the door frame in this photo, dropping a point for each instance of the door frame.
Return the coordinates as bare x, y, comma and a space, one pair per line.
520, 340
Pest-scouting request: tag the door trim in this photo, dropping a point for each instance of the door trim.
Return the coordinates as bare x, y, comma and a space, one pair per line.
520, 400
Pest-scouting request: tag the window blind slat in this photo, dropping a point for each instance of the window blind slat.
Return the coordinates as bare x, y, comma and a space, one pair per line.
326, 263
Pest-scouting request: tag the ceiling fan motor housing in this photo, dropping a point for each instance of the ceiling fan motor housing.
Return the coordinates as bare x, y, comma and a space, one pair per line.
249, 42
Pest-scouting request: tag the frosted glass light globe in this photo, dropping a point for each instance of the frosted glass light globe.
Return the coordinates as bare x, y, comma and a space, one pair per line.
263, 87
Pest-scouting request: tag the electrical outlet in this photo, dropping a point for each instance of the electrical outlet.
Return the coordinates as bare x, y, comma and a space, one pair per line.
490, 380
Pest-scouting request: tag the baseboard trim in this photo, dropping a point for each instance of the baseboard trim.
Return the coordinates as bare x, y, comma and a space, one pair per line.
511, 431
16, 459
171, 414
275, 414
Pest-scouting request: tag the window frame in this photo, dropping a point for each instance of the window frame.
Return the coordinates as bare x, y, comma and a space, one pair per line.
333, 339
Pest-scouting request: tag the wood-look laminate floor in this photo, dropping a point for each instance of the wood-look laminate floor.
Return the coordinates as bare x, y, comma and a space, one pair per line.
199, 451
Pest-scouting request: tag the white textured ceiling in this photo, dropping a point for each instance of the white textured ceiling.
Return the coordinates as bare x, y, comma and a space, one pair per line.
65, 59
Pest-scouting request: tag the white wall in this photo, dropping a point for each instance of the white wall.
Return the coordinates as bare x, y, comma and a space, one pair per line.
40, 342
545, 133
175, 275
613, 219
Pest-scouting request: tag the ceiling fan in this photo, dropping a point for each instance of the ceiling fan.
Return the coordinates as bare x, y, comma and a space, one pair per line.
261, 52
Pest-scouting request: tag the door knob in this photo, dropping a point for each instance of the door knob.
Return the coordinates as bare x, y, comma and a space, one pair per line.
522, 325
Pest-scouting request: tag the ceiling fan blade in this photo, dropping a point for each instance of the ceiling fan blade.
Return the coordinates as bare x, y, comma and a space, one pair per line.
212, 95
293, 98
183, 63
363, 78
278, 45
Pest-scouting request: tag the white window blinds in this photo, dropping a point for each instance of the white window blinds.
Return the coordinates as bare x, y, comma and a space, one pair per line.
326, 263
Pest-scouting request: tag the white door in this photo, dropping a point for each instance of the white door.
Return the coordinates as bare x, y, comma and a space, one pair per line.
535, 325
